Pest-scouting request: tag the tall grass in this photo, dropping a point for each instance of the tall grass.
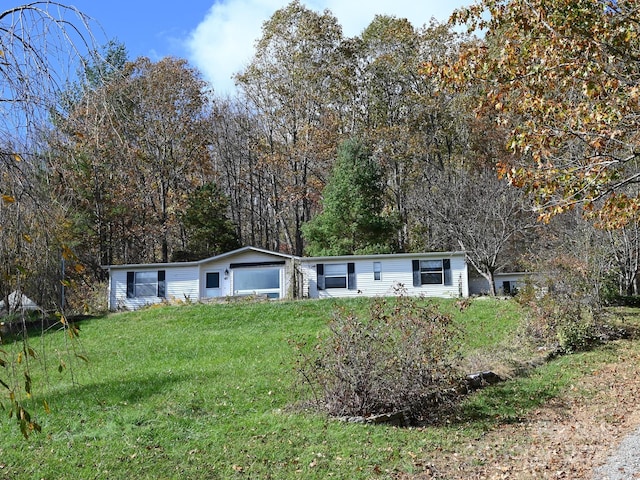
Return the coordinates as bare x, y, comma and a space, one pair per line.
204, 392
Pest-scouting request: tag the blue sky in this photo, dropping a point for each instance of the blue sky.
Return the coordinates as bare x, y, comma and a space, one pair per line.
217, 37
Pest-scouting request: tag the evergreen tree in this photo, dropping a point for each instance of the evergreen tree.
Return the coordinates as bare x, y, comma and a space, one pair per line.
352, 219
208, 228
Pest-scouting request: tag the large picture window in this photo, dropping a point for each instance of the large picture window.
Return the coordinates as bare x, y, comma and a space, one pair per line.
261, 281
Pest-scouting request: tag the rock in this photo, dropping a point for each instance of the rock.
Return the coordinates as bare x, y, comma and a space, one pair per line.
396, 419
478, 380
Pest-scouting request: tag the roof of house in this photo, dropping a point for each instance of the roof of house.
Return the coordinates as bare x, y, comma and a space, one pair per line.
381, 256
197, 262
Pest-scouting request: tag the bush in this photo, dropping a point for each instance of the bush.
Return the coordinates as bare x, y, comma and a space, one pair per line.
564, 310
399, 356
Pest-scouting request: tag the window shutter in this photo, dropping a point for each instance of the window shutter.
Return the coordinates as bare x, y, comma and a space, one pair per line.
351, 276
320, 273
416, 273
446, 265
161, 284
131, 284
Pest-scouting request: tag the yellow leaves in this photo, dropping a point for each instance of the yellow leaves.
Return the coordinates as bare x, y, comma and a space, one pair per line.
73, 331
8, 199
590, 89
618, 210
27, 384
17, 157
67, 253
597, 144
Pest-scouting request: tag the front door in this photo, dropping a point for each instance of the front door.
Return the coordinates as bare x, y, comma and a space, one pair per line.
212, 284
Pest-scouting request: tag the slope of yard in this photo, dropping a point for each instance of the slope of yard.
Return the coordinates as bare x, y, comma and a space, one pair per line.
203, 391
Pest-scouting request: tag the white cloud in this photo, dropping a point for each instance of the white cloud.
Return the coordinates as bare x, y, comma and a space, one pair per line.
223, 43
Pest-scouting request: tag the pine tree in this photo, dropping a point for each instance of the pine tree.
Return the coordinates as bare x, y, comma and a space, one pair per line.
352, 219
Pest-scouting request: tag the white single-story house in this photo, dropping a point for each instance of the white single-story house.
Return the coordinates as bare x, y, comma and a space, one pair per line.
254, 271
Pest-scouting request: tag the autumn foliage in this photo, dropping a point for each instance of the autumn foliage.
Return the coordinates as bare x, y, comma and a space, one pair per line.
562, 76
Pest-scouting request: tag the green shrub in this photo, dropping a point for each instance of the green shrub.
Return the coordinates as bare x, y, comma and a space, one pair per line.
576, 335
397, 356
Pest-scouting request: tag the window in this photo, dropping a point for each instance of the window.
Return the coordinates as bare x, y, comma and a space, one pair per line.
146, 284
262, 281
336, 275
432, 272
377, 270
213, 280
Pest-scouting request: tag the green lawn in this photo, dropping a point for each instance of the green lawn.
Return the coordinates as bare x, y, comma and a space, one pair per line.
204, 391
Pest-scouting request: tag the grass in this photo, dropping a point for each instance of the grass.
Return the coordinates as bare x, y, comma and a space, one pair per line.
203, 392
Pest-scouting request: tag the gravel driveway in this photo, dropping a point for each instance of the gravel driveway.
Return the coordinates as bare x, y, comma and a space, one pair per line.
624, 464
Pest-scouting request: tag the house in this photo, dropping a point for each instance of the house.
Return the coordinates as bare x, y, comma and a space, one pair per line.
250, 270
245, 271
18, 302
439, 274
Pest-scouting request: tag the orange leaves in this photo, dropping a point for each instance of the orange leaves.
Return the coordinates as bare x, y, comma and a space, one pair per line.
617, 211
67, 253
561, 76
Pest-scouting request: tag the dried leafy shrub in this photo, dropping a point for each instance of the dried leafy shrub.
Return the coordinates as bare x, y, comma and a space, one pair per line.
399, 356
564, 308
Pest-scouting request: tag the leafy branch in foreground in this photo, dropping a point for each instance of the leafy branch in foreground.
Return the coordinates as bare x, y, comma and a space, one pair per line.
39, 42
20, 364
562, 77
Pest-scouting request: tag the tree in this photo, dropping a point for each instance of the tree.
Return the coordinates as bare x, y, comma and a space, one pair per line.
132, 150
482, 215
208, 229
38, 41
409, 125
563, 76
289, 85
240, 174
352, 220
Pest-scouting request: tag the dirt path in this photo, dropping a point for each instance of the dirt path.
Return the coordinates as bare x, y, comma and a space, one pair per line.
568, 438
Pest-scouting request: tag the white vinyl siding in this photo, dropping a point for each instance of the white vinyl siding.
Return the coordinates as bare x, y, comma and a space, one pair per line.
238, 277
180, 283
396, 277
261, 271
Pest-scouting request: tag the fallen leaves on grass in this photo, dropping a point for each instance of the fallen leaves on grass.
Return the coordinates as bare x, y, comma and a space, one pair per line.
565, 439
